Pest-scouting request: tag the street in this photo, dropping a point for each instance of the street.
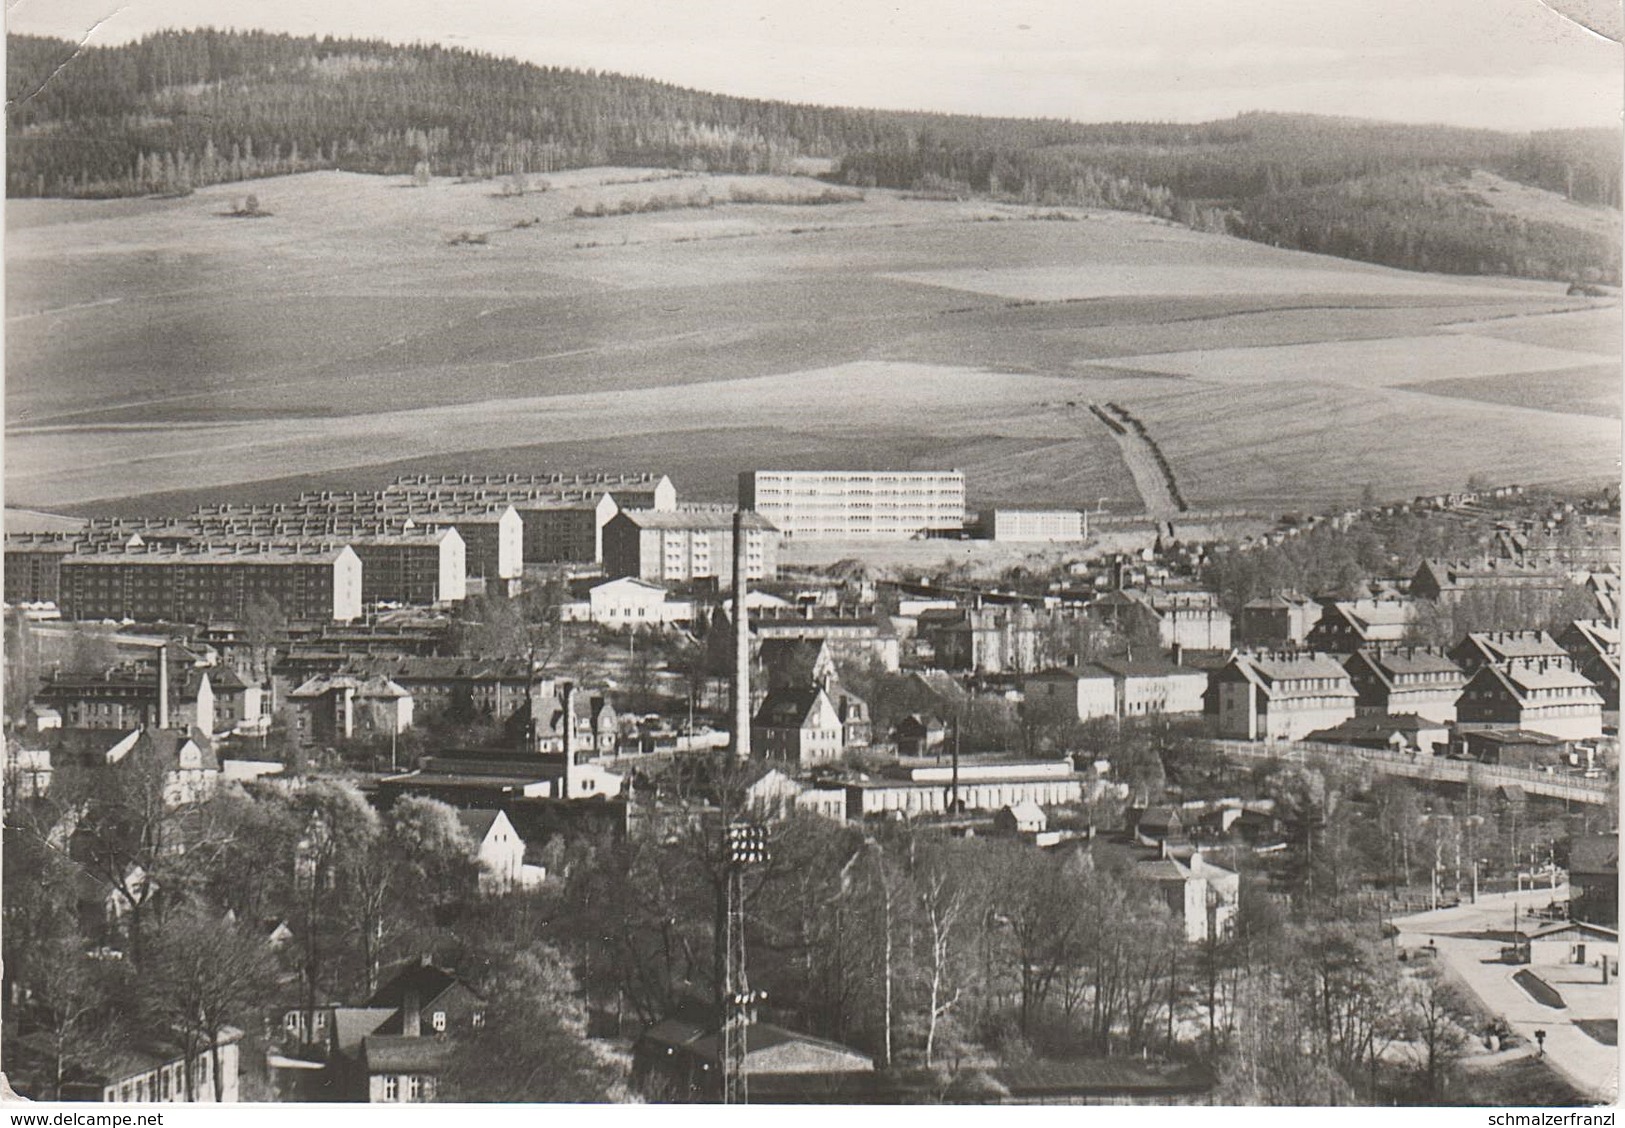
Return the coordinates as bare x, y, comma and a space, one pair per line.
1589, 1065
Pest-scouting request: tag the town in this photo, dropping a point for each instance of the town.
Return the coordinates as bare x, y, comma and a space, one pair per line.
333, 798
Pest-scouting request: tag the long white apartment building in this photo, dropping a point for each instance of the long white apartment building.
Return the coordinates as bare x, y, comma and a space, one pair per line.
840, 504
1035, 524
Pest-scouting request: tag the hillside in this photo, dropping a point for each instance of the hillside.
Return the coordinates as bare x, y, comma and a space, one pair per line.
183, 110
163, 351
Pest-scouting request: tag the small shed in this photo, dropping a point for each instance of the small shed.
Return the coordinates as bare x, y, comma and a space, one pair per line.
1024, 817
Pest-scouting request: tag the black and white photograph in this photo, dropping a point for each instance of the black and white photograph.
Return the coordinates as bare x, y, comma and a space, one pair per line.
858, 553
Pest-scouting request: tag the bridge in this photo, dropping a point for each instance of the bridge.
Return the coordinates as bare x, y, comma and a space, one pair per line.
1432, 768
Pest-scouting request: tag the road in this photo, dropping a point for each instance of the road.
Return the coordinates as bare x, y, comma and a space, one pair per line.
1590, 1066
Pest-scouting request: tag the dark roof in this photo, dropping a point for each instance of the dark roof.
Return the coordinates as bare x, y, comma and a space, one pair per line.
426, 980
478, 823
1513, 736
352, 1024
786, 708
1379, 726
401, 1053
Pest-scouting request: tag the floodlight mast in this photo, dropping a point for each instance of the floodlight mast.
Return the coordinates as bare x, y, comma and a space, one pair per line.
744, 845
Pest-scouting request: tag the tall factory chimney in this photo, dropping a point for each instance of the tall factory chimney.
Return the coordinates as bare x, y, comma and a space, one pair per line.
741, 617
163, 687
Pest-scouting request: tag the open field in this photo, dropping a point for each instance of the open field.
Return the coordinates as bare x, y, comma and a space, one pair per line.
159, 352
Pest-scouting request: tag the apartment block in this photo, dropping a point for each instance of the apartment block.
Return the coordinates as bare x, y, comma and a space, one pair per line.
1399, 680
687, 545
840, 504
313, 582
1282, 696
1046, 525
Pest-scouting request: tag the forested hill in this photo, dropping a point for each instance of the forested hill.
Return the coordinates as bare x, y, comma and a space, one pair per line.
184, 109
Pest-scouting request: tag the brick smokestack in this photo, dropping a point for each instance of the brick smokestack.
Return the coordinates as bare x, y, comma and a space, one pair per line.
163, 687
741, 679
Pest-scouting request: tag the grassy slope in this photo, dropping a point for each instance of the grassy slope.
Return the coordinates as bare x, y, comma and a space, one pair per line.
155, 346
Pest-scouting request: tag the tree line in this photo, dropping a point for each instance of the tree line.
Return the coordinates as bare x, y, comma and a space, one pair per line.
178, 110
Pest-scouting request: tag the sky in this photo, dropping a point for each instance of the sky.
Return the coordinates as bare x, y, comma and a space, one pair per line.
1505, 64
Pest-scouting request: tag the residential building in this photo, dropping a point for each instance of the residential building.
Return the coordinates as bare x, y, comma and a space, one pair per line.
797, 726
33, 566
1347, 625
500, 850
919, 735
1046, 525
395, 1047
1185, 618
1501, 648
1277, 622
321, 582
1282, 695
628, 602
494, 688
1087, 691
1405, 680
686, 545
334, 707
421, 567
1538, 694
1593, 645
842, 504
125, 697
1202, 896
1445, 582
850, 634
1021, 817
987, 640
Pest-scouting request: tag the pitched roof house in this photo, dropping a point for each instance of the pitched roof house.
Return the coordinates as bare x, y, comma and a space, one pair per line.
797, 726
1405, 679
1282, 696
1539, 694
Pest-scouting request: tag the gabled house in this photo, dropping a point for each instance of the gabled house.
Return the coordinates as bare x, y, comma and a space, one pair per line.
1280, 696
1501, 648
1346, 626
1593, 644
394, 1048
158, 1071
918, 735
1538, 694
627, 603
1021, 817
334, 707
1398, 680
1202, 896
500, 850
797, 726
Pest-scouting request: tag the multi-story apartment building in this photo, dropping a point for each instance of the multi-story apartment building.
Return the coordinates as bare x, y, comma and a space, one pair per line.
313, 582
1282, 696
1446, 582
1348, 625
686, 545
425, 567
1277, 621
1035, 524
34, 566
1593, 644
1544, 695
839, 504
1501, 648
848, 634
1186, 618
1405, 679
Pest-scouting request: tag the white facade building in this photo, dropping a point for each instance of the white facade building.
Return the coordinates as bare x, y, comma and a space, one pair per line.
1053, 525
841, 504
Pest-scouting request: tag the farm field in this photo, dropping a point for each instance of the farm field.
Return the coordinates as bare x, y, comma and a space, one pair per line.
160, 353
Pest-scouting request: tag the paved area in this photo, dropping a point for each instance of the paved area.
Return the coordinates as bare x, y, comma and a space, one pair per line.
1590, 1066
